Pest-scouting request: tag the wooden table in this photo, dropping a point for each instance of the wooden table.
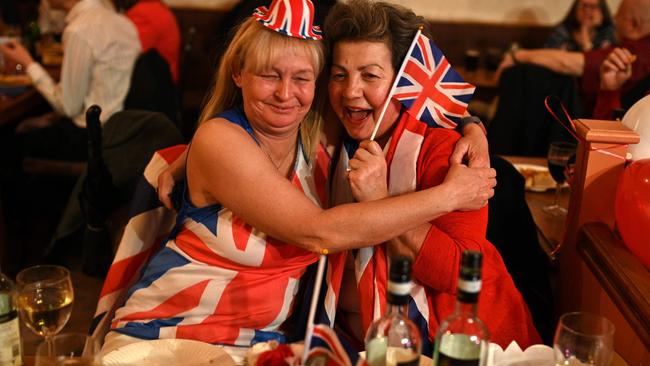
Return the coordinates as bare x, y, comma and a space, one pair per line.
13, 108
550, 228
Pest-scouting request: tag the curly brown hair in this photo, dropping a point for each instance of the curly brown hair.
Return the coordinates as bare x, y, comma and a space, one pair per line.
364, 20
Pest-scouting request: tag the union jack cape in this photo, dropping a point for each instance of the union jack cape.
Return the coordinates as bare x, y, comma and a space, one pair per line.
371, 263
149, 224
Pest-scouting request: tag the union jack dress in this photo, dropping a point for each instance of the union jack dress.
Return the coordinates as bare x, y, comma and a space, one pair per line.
217, 279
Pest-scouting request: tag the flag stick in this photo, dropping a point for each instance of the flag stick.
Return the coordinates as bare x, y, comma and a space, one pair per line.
312, 307
392, 89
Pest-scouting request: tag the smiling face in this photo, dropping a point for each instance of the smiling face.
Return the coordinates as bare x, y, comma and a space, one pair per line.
277, 96
360, 80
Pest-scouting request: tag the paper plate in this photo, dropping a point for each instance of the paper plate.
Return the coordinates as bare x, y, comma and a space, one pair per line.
538, 178
168, 352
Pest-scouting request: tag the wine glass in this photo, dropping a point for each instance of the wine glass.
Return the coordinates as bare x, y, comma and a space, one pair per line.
559, 154
70, 349
45, 298
583, 339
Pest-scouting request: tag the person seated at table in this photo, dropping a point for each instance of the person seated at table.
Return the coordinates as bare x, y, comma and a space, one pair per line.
369, 40
588, 25
251, 219
100, 49
632, 22
157, 28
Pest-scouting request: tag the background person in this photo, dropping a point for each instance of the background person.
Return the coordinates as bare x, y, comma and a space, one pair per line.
100, 49
157, 29
633, 29
588, 25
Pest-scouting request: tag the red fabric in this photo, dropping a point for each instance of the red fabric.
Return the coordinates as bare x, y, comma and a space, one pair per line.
606, 103
500, 305
591, 74
158, 29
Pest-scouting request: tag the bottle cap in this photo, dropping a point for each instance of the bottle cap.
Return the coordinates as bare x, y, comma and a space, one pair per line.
469, 279
399, 280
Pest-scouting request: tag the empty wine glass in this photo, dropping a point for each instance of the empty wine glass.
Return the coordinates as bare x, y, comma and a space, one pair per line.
559, 154
583, 339
45, 296
70, 349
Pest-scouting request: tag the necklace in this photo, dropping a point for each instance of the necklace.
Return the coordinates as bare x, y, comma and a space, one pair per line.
279, 164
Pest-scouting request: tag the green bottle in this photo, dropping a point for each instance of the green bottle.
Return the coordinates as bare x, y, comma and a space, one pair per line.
10, 348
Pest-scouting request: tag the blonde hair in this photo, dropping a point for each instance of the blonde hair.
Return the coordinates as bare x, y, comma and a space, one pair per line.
257, 46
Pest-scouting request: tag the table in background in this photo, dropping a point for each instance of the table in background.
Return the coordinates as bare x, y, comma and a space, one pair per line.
550, 228
18, 107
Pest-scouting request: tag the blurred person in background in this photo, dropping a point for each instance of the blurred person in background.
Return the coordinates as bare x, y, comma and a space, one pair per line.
588, 25
100, 49
633, 32
157, 29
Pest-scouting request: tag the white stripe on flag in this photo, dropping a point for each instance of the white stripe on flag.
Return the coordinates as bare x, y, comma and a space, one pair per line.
403, 168
142, 230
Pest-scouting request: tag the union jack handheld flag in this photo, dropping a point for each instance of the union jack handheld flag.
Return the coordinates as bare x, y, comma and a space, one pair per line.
432, 91
426, 84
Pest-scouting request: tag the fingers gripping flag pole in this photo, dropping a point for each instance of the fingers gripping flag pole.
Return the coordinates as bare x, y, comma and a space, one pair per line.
392, 89
314, 303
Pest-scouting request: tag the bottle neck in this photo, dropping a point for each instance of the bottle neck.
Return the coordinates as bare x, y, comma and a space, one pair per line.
395, 309
466, 308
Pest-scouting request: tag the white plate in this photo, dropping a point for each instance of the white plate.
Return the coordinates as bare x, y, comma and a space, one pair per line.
538, 178
168, 352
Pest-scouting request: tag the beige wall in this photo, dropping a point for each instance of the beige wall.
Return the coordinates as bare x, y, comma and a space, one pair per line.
544, 12
530, 12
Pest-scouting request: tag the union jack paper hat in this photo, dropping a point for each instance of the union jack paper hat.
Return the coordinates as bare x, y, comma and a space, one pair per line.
294, 18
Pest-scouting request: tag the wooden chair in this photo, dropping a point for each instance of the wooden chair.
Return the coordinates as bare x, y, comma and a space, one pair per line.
596, 272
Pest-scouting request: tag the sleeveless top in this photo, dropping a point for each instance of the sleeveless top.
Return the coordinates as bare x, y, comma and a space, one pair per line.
217, 279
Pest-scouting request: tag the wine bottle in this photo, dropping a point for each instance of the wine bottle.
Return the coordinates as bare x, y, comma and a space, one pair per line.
393, 339
462, 338
10, 351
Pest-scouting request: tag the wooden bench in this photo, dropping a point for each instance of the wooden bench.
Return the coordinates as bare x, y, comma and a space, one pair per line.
596, 273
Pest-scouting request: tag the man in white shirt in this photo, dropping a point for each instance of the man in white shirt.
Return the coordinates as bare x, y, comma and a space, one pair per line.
100, 50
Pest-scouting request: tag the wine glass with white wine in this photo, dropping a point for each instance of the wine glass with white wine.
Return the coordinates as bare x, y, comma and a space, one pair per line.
45, 296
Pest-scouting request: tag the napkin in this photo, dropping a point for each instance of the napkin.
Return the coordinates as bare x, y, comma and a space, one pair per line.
535, 355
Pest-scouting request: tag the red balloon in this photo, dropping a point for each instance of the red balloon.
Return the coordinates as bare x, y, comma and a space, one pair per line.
632, 209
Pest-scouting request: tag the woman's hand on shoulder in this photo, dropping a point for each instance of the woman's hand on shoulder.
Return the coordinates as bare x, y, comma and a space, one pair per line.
168, 178
367, 173
472, 147
469, 188
166, 184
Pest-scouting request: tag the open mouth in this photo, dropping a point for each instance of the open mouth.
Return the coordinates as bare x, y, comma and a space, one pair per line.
356, 114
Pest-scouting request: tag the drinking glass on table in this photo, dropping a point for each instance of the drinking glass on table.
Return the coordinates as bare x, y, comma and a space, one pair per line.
583, 339
45, 296
69, 349
559, 154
